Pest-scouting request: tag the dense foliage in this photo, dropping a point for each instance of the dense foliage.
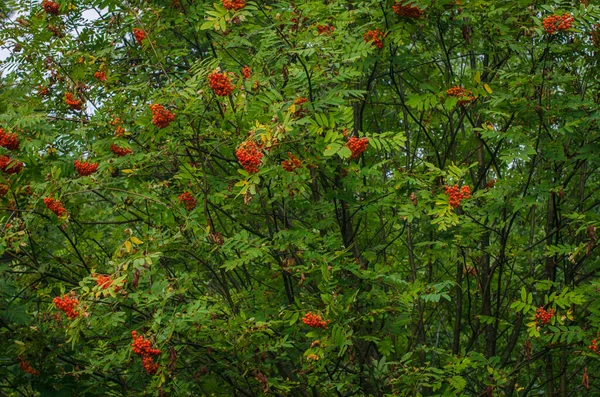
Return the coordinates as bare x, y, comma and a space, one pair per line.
308, 198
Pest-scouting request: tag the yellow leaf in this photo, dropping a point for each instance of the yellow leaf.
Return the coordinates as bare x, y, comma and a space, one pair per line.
127, 246
487, 88
127, 171
478, 78
136, 240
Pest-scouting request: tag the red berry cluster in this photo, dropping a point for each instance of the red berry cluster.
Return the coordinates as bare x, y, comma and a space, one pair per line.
291, 163
26, 366
3, 190
100, 75
67, 305
457, 194
143, 347
51, 7
120, 151
555, 23
55, 206
326, 29
357, 146
43, 91
595, 35
314, 320
374, 36
85, 168
10, 166
220, 84
189, 202
543, 317
139, 35
161, 117
105, 281
73, 103
246, 72
595, 346
119, 130
8, 141
234, 4
459, 92
407, 10
300, 109
249, 156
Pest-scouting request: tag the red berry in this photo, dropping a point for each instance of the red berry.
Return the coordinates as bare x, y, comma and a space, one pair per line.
189, 202
326, 29
143, 347
51, 7
73, 103
85, 168
139, 35
357, 146
55, 206
161, 117
234, 4
220, 84
375, 36
407, 10
314, 320
120, 151
291, 163
10, 166
249, 156
555, 23
246, 72
9, 141
100, 75
67, 305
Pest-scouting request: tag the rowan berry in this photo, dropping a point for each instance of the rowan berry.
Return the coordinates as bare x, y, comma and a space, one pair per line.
249, 156
556, 23
300, 111
51, 7
291, 163
85, 168
326, 29
55, 206
67, 305
100, 75
10, 166
375, 36
407, 10
357, 146
105, 281
42, 91
189, 202
139, 35
595, 346
120, 151
543, 317
461, 93
143, 348
456, 194
246, 72
234, 4
26, 367
314, 320
8, 141
220, 84
161, 117
73, 103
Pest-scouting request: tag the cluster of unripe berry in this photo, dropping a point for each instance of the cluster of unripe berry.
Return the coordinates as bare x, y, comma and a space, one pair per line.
51, 7
143, 348
26, 367
456, 194
556, 23
188, 201
85, 168
375, 37
55, 206
120, 151
220, 84
326, 29
67, 305
10, 166
291, 163
407, 10
234, 4
73, 103
161, 117
139, 35
249, 156
543, 317
314, 320
459, 92
357, 146
9, 141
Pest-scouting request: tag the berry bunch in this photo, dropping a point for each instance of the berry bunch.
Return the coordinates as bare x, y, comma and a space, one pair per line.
220, 84
595, 346
555, 23
120, 151
234, 4
314, 320
105, 281
55, 206
73, 103
357, 146
456, 194
43, 91
100, 75
291, 163
26, 367
459, 92
249, 156
10, 166
326, 29
51, 7
300, 109
543, 317
189, 202
161, 117
67, 305
85, 168
119, 130
407, 10
143, 348
374, 36
139, 35
8, 141
246, 72
3, 190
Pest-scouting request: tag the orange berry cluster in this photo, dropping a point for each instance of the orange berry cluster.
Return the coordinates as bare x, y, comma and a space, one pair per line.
67, 305
357, 146
105, 281
161, 117
143, 347
100, 75
55, 206
246, 72
407, 10
73, 103
8, 141
314, 320
326, 29
189, 202
51, 7
459, 92
374, 36
457, 194
120, 151
10, 166
119, 130
85, 168
26, 366
234, 4
300, 111
220, 84
542, 316
249, 156
139, 35
3, 190
291, 163
594, 346
555, 23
